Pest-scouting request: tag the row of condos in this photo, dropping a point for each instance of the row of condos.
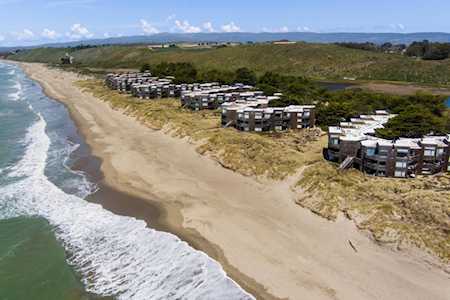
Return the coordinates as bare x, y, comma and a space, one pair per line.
145, 86
354, 144
122, 82
214, 98
255, 116
242, 108
159, 88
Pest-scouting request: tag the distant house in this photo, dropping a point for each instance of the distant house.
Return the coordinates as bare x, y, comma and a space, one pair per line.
157, 46
283, 42
67, 59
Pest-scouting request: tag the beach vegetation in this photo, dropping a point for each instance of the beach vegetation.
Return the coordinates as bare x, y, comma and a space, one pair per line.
397, 212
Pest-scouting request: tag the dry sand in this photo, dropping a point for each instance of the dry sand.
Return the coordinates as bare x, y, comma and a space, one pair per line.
261, 231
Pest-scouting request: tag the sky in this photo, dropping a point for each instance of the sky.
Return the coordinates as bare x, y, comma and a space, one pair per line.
29, 22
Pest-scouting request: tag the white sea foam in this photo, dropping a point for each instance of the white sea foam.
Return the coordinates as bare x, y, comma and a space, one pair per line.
115, 255
17, 94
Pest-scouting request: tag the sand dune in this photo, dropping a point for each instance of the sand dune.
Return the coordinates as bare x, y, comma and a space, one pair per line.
261, 231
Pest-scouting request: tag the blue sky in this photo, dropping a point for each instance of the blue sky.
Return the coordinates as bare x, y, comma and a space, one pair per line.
26, 22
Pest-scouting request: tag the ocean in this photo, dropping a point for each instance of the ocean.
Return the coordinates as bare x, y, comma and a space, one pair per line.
54, 244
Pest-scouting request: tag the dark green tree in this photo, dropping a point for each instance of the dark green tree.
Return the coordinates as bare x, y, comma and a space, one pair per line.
415, 122
145, 67
245, 76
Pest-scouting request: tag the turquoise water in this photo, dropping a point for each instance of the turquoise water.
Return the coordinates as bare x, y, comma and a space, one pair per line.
57, 245
33, 264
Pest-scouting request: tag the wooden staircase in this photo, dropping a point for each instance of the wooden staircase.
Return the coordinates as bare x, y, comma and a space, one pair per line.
347, 163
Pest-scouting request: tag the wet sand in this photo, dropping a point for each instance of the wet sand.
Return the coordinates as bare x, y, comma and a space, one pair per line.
255, 230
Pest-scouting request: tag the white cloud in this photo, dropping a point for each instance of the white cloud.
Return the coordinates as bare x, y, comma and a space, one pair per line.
282, 29
49, 34
24, 35
304, 29
208, 27
398, 27
2, 38
148, 28
185, 27
78, 31
230, 27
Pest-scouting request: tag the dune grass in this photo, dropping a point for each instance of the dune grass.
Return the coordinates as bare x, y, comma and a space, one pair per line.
395, 211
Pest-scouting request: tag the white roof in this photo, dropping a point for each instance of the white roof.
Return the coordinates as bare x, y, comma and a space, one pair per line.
407, 143
248, 106
359, 128
435, 140
334, 130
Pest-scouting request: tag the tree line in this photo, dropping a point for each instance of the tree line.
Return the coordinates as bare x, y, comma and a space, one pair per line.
428, 50
386, 47
425, 49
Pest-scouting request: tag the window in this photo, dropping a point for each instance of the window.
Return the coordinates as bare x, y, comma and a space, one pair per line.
334, 141
258, 115
383, 152
400, 173
429, 151
258, 129
440, 151
400, 164
402, 152
306, 114
370, 151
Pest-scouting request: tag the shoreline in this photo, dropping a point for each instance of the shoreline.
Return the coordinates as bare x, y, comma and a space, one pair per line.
152, 212
301, 266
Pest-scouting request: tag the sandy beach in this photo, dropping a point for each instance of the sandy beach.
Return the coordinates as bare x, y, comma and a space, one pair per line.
265, 242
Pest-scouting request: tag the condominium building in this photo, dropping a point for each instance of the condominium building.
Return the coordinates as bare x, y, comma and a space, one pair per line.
256, 116
122, 82
212, 97
354, 144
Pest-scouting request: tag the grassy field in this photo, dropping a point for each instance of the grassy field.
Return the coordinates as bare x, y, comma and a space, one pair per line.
316, 61
396, 211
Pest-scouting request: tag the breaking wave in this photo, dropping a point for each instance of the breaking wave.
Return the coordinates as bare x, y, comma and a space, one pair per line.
18, 92
115, 255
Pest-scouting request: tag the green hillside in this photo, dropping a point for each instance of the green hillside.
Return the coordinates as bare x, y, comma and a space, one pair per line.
317, 61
